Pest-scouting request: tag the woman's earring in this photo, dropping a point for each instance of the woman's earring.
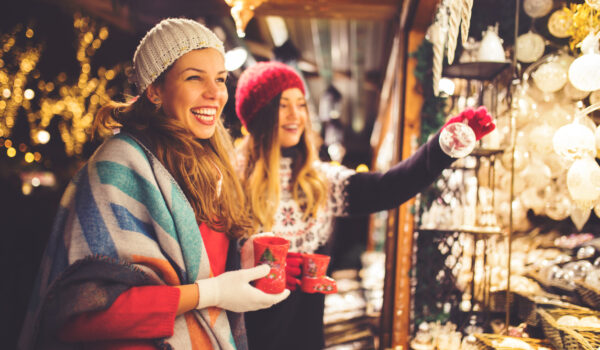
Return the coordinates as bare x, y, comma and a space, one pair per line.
156, 102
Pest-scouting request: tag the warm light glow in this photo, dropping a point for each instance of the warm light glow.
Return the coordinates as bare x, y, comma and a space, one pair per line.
235, 58
446, 86
43, 136
29, 157
11, 152
8, 143
242, 12
29, 94
362, 168
35, 181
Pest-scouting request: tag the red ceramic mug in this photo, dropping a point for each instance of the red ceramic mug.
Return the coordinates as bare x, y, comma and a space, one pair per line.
272, 251
314, 268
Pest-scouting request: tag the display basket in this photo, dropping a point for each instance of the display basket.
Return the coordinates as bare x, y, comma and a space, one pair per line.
487, 341
569, 337
589, 294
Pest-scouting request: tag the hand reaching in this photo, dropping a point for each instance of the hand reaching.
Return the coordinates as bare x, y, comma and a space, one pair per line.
479, 120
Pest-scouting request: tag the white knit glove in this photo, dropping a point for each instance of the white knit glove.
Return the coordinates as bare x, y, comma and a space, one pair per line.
232, 291
247, 251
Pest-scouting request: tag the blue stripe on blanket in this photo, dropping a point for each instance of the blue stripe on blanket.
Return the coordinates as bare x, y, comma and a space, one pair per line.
138, 188
127, 221
90, 219
190, 242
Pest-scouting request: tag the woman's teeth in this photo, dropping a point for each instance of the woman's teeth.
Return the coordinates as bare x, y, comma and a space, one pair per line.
206, 114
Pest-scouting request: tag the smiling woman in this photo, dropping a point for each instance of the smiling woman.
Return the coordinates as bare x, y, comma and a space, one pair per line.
193, 91
147, 228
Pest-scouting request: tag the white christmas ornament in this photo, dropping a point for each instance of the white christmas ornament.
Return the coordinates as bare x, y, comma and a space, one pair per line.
574, 93
574, 141
583, 182
491, 49
584, 72
595, 97
550, 77
580, 216
537, 8
559, 23
530, 47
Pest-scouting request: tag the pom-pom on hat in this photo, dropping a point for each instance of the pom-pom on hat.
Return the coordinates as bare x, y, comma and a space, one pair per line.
259, 84
165, 43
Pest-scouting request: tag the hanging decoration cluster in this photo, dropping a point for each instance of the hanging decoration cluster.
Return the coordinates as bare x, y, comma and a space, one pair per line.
452, 17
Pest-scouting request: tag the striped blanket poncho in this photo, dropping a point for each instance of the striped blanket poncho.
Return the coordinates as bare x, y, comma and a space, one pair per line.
123, 221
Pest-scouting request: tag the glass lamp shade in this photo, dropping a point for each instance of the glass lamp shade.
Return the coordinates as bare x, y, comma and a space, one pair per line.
537, 8
584, 72
583, 182
530, 47
550, 77
574, 141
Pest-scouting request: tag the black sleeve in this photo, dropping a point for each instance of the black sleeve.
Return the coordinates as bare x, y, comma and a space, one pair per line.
371, 192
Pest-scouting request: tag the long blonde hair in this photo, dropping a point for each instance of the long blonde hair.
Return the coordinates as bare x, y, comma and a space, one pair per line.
260, 170
194, 163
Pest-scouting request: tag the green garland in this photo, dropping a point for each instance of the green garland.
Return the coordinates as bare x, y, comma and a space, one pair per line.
432, 111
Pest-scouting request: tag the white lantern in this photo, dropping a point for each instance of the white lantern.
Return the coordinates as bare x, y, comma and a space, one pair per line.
574, 141
583, 182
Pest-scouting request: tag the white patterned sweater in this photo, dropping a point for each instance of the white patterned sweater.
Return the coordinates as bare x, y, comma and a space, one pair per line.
306, 236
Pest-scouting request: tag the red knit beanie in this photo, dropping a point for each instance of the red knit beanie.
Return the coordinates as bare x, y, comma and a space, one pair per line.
259, 84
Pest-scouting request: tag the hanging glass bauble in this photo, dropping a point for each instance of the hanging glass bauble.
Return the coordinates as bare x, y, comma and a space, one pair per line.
595, 4
580, 216
574, 93
536, 174
530, 47
521, 159
583, 182
574, 141
457, 140
565, 60
526, 110
558, 206
559, 23
537, 8
558, 116
550, 77
584, 72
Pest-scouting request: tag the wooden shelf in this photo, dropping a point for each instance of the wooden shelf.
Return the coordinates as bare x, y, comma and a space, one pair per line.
475, 70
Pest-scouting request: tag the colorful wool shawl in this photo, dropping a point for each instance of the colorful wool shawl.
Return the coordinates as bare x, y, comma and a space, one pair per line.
123, 206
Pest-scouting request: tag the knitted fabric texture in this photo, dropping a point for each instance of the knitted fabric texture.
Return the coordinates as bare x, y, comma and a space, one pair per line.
165, 43
259, 84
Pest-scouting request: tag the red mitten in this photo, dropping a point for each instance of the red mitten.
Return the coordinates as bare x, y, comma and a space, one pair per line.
479, 120
293, 263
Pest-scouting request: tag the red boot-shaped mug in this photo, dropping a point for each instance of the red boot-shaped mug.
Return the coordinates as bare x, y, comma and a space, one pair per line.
314, 267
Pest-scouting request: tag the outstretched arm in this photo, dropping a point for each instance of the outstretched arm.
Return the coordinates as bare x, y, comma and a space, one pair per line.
372, 192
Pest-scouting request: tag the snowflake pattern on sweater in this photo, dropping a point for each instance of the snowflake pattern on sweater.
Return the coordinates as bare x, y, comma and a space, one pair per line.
306, 236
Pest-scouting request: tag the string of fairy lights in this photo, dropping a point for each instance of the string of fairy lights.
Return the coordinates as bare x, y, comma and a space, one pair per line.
73, 101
